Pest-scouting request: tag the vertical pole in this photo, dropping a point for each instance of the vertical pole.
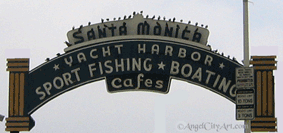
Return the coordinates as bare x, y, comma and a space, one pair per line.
246, 34
246, 51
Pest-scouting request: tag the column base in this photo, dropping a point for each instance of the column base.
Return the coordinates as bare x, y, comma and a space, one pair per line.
19, 124
260, 124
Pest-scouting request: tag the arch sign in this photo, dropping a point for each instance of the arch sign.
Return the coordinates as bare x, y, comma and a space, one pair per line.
134, 54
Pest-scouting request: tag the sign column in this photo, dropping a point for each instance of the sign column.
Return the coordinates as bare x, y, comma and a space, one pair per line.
264, 83
18, 120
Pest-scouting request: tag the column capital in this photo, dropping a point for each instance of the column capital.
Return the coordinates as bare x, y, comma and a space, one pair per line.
18, 65
264, 62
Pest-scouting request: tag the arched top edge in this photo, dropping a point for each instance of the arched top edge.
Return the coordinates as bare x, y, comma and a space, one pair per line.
69, 50
135, 37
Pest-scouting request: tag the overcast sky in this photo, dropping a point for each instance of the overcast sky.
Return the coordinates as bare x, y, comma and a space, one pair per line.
37, 30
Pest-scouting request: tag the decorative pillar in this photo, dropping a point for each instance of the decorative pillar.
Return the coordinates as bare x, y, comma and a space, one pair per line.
18, 119
264, 87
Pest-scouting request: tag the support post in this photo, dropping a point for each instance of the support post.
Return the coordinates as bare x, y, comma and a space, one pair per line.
246, 34
246, 50
18, 120
265, 120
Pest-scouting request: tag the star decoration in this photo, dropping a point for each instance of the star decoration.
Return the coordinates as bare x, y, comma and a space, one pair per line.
56, 67
161, 65
221, 65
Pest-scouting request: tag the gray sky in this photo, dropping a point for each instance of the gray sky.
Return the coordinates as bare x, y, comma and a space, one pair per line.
37, 30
